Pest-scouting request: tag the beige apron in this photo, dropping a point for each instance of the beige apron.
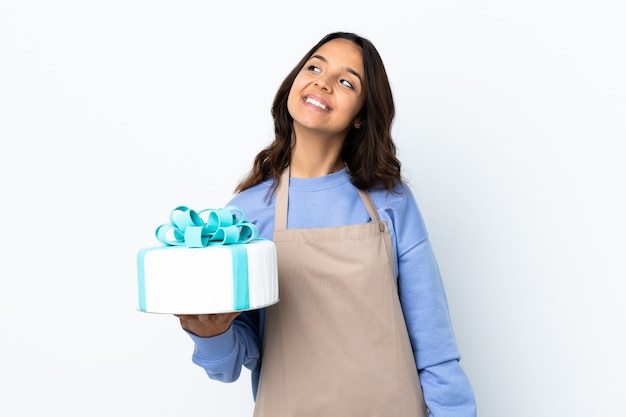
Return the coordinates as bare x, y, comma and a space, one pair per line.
336, 344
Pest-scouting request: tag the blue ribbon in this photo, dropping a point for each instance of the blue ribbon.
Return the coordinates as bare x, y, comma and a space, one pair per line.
221, 227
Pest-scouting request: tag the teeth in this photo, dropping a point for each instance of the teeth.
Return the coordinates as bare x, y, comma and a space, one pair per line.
315, 103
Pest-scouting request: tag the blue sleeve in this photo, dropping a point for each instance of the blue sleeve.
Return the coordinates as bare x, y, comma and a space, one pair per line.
223, 356
447, 390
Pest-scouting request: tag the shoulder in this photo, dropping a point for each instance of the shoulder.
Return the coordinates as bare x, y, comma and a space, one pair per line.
400, 209
400, 200
253, 197
257, 206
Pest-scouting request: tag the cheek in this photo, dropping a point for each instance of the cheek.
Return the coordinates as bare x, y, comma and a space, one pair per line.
295, 94
354, 104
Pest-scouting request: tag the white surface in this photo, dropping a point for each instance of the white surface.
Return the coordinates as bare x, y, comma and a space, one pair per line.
510, 125
180, 280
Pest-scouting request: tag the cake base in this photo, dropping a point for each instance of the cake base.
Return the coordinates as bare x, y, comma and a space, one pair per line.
208, 280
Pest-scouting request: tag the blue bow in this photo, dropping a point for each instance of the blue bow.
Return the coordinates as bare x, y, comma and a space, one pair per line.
222, 227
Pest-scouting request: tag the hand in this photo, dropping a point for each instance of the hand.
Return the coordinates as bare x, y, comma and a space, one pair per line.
206, 325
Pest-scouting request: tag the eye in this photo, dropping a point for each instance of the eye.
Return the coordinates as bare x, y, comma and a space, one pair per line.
347, 83
313, 68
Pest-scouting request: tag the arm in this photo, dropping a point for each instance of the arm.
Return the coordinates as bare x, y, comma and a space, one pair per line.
223, 355
447, 390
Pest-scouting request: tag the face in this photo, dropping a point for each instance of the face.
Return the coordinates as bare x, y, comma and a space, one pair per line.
329, 91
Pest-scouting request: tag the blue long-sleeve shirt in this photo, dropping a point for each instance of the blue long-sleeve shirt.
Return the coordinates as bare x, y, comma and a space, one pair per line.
330, 201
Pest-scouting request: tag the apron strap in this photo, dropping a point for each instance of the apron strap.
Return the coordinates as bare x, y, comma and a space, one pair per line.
369, 204
282, 202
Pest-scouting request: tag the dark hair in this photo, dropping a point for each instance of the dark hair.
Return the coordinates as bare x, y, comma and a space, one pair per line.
369, 152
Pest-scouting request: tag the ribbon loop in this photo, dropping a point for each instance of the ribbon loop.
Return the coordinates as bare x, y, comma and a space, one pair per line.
247, 232
196, 237
187, 218
223, 226
225, 235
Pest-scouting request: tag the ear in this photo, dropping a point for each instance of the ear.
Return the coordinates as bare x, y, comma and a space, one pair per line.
357, 124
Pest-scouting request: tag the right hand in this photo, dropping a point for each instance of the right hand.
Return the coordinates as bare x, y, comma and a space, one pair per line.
207, 325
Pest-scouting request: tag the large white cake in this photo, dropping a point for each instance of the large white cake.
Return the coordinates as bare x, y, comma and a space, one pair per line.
211, 262
205, 280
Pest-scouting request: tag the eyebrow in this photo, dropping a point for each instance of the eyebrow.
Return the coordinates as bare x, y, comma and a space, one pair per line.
350, 70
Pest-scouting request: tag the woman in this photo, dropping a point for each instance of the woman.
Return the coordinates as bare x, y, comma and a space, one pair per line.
362, 327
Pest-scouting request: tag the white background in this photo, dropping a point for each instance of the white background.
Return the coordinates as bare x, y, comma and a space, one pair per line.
510, 125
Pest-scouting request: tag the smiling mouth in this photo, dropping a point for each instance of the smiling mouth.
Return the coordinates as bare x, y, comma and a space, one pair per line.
316, 103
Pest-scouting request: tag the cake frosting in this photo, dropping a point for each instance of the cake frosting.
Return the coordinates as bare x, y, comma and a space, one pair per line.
207, 266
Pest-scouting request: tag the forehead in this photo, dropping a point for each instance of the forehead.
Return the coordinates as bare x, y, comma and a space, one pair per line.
342, 52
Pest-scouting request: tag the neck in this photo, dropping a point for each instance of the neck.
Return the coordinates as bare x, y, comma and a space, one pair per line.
315, 158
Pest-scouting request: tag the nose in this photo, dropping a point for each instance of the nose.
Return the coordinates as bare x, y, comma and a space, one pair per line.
322, 84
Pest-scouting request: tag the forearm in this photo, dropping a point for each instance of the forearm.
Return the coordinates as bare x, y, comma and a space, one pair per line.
447, 391
223, 356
